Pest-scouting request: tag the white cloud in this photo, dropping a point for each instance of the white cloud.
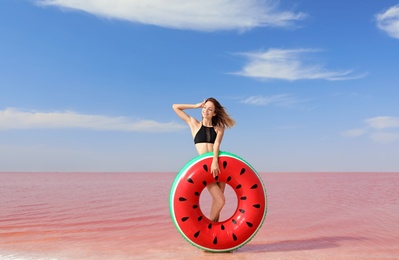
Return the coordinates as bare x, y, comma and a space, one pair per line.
205, 15
374, 127
288, 64
388, 21
382, 122
15, 119
384, 137
284, 100
354, 132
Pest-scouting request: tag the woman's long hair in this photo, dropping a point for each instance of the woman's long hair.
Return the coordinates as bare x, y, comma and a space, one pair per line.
221, 118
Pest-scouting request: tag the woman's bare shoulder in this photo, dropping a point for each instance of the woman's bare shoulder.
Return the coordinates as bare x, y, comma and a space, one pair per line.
219, 129
194, 123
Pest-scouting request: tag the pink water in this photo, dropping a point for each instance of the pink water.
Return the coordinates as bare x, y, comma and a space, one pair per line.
126, 216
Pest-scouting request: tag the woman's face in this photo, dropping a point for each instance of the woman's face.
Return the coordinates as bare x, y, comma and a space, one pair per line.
208, 110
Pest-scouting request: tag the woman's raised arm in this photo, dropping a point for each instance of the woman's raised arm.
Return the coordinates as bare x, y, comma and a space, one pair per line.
179, 110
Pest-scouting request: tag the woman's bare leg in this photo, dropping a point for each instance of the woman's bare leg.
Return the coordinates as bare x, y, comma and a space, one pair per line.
216, 190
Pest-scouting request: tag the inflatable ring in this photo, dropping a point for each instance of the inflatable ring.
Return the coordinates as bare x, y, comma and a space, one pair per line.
233, 232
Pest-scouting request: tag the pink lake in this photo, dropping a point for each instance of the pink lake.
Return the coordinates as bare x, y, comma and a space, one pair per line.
126, 216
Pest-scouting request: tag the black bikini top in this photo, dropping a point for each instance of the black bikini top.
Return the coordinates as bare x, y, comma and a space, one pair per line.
205, 135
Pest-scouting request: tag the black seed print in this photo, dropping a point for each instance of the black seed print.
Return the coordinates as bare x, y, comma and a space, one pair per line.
242, 171
182, 199
197, 234
238, 186
199, 218
195, 206
196, 193
234, 237
222, 227
249, 224
205, 167
184, 219
216, 178
242, 211
254, 186
256, 206
224, 164
190, 180
215, 241
228, 179
243, 198
204, 182
234, 221
210, 225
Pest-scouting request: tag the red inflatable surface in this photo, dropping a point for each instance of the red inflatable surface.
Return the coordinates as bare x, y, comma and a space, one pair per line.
235, 231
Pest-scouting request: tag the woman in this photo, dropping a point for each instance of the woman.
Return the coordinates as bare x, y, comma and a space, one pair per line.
208, 136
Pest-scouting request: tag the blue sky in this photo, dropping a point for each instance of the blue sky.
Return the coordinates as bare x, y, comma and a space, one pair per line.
88, 85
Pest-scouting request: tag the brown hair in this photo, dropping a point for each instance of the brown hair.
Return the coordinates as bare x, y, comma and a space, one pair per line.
221, 118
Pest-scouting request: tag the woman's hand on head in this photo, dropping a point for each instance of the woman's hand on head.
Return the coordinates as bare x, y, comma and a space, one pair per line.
201, 105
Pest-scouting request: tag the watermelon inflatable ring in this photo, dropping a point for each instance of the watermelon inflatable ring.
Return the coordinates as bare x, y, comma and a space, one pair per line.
233, 232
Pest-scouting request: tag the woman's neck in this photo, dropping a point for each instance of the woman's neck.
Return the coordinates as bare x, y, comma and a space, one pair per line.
206, 122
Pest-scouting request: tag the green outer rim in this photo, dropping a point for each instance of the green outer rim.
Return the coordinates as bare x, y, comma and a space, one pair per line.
177, 180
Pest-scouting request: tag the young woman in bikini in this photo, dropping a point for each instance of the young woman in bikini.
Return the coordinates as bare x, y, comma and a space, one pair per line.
208, 136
